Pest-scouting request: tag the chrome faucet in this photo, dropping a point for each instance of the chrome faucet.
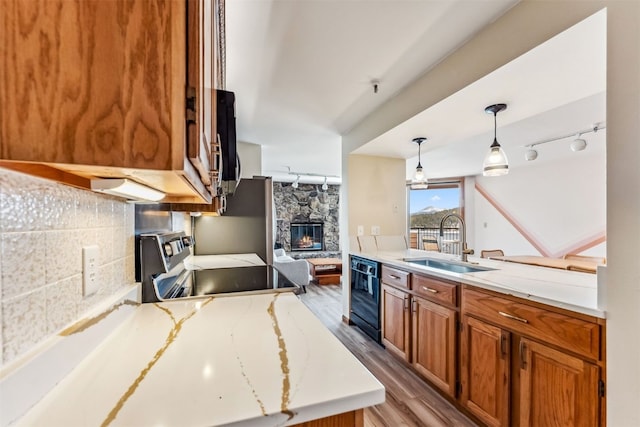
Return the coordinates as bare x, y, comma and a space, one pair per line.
465, 251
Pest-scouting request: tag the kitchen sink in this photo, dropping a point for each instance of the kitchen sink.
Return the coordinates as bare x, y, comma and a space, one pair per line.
449, 266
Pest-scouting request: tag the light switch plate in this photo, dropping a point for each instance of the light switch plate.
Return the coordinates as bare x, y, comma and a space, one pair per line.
90, 270
375, 230
361, 230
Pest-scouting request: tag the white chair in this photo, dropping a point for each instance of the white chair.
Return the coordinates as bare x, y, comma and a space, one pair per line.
296, 270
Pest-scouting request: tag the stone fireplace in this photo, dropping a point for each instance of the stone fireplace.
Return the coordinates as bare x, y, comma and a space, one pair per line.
307, 236
308, 204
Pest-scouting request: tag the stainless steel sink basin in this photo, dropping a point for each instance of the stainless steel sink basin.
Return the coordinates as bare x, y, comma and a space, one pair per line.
449, 266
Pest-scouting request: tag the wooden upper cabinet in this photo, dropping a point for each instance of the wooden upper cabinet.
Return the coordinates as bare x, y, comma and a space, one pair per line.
94, 88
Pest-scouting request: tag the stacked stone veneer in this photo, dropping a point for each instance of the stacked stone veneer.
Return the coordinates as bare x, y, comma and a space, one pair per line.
307, 203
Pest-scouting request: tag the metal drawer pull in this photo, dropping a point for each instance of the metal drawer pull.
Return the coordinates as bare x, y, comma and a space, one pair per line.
511, 316
394, 277
433, 291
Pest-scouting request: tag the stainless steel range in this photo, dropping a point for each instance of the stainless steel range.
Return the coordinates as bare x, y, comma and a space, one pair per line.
164, 274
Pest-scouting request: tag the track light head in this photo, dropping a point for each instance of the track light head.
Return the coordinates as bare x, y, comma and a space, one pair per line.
578, 144
531, 154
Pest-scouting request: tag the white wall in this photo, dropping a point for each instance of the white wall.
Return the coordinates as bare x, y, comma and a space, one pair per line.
559, 204
250, 159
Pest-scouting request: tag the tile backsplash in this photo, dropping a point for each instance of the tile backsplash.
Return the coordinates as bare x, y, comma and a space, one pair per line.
43, 228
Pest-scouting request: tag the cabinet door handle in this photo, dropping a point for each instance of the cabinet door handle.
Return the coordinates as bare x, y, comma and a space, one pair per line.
413, 306
433, 291
523, 362
394, 277
503, 344
405, 304
511, 316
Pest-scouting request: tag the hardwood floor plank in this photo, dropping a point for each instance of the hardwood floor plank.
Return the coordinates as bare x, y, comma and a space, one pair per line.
409, 401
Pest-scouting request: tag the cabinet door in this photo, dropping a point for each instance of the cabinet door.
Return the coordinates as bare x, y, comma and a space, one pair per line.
484, 371
434, 343
556, 389
396, 321
90, 82
200, 94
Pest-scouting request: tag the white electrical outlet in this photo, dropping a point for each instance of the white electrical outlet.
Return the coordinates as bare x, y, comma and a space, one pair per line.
89, 270
361, 230
375, 230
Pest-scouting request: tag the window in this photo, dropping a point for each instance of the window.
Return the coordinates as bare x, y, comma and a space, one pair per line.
427, 207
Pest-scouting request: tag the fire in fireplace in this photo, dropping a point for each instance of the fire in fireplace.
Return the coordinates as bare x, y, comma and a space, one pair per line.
307, 236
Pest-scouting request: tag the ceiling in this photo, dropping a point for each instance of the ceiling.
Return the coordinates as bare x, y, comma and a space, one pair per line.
303, 74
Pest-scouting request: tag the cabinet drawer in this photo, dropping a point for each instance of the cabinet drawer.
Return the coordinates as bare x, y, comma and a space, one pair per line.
394, 277
434, 289
564, 331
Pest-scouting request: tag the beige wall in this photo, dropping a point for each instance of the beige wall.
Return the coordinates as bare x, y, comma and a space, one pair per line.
525, 26
375, 198
43, 227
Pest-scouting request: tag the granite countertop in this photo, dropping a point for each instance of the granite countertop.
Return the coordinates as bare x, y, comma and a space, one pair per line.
569, 290
259, 360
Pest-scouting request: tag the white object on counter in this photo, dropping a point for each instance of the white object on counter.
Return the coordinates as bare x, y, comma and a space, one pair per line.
203, 262
259, 360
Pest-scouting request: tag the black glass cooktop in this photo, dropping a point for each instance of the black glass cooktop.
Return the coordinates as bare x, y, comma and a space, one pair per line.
240, 279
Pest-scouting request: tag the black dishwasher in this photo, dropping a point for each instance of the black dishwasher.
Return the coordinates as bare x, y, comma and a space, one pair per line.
365, 296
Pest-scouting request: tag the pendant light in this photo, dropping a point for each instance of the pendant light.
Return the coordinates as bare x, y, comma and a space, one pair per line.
495, 162
418, 178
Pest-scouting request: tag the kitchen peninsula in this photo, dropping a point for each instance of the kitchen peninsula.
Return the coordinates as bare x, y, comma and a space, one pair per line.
259, 360
511, 344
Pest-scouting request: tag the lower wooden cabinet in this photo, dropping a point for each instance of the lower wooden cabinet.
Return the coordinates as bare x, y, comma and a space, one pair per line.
434, 343
556, 389
511, 379
485, 371
396, 319
520, 363
422, 333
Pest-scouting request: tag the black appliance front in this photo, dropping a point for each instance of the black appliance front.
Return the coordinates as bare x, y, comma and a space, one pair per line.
365, 296
226, 127
241, 279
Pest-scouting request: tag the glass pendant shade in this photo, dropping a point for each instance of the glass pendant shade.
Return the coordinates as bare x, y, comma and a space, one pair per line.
495, 162
419, 176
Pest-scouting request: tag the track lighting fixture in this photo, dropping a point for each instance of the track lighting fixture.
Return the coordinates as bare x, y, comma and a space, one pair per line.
325, 187
578, 144
295, 183
496, 162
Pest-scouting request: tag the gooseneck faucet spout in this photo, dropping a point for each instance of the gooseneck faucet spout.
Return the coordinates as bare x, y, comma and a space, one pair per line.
464, 252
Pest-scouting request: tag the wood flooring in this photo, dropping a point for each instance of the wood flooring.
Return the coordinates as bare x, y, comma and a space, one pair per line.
409, 400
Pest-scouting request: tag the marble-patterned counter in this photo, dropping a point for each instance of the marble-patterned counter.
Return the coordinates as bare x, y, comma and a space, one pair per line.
559, 288
202, 262
258, 360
